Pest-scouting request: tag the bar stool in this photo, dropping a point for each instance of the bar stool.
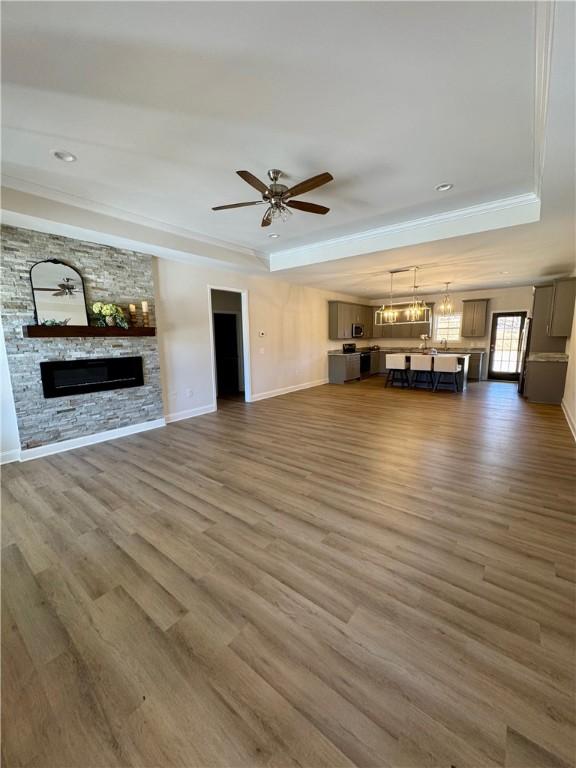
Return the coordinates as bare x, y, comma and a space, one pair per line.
422, 364
397, 364
447, 365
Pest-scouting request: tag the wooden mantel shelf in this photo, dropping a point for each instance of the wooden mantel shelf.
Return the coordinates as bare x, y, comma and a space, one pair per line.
60, 331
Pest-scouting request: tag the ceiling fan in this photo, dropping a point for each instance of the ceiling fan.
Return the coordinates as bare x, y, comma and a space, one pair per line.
278, 196
67, 287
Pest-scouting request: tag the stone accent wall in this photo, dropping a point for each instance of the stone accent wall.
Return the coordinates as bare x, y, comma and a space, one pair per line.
110, 274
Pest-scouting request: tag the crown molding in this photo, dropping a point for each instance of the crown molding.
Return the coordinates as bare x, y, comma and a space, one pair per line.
497, 214
37, 224
87, 204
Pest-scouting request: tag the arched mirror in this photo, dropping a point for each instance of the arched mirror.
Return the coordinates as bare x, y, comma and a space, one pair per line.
58, 294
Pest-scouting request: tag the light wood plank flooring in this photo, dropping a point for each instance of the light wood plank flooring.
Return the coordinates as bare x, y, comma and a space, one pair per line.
343, 576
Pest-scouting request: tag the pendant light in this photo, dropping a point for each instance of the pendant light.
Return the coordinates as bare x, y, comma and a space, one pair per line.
416, 308
386, 314
446, 308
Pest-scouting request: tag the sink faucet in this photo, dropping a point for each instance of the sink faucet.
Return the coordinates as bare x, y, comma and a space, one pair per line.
444, 344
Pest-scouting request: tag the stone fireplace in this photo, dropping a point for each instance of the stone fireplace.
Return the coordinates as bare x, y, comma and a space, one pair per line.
110, 274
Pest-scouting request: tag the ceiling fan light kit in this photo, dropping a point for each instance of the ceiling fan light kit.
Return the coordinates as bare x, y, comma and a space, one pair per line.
278, 197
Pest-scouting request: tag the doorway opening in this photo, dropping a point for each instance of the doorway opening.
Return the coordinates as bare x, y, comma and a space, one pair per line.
229, 340
506, 345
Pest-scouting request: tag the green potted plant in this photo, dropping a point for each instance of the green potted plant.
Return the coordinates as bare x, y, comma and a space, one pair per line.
108, 314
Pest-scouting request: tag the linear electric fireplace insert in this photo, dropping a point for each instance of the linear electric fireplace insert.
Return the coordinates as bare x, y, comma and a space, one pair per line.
61, 378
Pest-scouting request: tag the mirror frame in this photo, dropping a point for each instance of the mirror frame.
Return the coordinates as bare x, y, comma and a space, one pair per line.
57, 261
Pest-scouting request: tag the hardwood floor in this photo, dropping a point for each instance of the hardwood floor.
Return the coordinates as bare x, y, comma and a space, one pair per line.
343, 576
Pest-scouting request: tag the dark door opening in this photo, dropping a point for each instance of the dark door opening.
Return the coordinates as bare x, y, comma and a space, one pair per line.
227, 358
228, 349
506, 345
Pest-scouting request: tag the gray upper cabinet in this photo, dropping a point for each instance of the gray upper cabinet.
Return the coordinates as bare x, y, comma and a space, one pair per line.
368, 321
562, 307
540, 340
342, 315
340, 320
474, 315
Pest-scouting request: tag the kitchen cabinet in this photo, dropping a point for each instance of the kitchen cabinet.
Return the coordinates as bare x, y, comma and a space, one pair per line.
340, 319
343, 368
342, 315
374, 362
382, 362
475, 366
368, 321
474, 316
405, 330
544, 381
540, 340
562, 307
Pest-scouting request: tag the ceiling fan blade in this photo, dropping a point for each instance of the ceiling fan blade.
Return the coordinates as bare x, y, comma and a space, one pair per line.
237, 205
253, 181
301, 205
306, 186
267, 218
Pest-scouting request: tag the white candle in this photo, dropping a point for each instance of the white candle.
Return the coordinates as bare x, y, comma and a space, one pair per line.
132, 307
144, 307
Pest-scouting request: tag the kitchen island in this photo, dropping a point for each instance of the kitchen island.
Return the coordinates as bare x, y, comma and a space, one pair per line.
347, 366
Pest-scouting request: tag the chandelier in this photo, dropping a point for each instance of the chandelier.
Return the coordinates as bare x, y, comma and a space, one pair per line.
416, 308
446, 307
386, 314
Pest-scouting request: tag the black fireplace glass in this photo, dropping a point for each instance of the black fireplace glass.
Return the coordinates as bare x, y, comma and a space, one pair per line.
62, 378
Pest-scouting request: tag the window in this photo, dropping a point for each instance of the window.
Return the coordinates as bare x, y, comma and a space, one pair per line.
447, 327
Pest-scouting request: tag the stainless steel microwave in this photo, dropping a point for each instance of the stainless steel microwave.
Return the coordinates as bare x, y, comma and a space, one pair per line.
357, 330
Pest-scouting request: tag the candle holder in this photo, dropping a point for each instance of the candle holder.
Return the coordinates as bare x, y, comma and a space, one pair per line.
132, 314
145, 319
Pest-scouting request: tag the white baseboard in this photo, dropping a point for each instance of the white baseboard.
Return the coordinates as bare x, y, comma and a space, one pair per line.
190, 413
569, 419
6, 457
80, 442
286, 390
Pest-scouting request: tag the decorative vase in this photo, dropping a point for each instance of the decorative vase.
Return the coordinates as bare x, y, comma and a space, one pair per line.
110, 321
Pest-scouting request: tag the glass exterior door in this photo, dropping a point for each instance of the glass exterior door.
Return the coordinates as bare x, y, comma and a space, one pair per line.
505, 345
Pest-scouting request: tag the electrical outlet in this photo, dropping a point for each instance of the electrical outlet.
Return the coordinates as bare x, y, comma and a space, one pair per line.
189, 392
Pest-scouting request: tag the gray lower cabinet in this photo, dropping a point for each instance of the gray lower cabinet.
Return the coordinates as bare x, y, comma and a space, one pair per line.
544, 382
475, 366
562, 307
474, 316
374, 362
343, 368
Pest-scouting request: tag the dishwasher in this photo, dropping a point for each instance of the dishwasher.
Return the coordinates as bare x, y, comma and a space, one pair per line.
364, 363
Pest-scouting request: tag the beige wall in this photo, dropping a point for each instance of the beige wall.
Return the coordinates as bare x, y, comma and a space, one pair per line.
569, 399
291, 353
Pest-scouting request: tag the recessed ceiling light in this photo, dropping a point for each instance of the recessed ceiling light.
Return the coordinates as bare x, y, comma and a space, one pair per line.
273, 235
444, 187
67, 157
505, 272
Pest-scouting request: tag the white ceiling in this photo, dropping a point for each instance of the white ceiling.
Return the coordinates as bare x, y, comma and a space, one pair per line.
162, 102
